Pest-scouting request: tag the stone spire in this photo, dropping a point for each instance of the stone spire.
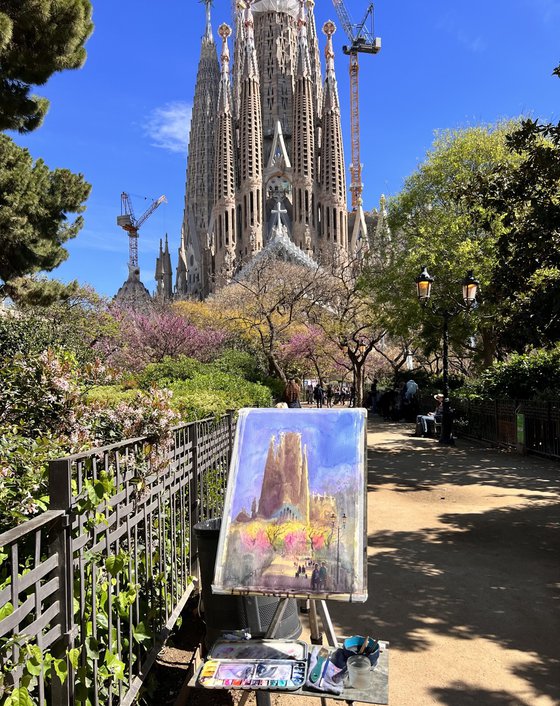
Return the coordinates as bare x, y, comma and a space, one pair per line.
250, 197
239, 45
200, 177
181, 272
223, 213
167, 272
164, 272
303, 144
313, 41
333, 209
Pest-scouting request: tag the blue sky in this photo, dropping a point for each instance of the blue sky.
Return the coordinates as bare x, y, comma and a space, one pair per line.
123, 119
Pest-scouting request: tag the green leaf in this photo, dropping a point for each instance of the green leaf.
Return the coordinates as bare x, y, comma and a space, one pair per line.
92, 647
19, 697
114, 664
61, 669
114, 564
5, 610
74, 656
141, 634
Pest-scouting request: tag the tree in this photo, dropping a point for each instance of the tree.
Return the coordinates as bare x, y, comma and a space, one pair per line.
526, 276
267, 303
76, 322
150, 337
37, 39
34, 207
345, 313
436, 222
308, 347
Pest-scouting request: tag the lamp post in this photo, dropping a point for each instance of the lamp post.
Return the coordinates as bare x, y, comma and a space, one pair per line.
337, 525
470, 286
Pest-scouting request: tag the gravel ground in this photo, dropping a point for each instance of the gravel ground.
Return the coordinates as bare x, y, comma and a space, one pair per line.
463, 572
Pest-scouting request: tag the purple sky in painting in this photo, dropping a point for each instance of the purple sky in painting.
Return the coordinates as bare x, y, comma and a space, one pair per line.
334, 449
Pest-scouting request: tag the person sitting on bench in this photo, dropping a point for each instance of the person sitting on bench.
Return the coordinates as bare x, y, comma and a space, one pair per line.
428, 421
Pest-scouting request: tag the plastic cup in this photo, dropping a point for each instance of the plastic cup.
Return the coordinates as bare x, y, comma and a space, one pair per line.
359, 672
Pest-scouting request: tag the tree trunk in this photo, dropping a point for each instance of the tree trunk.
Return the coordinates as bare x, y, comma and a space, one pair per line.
488, 346
275, 369
359, 383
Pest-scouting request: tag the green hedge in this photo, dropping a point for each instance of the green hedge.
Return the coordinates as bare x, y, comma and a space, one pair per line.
199, 389
525, 376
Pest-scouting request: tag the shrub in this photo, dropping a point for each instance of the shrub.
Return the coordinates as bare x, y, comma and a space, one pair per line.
241, 363
213, 394
39, 393
169, 370
23, 474
525, 376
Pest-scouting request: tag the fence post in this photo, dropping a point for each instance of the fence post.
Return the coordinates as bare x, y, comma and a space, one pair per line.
230, 434
60, 544
194, 505
520, 429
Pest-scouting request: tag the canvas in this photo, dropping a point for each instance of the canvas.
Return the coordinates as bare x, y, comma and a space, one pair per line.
295, 514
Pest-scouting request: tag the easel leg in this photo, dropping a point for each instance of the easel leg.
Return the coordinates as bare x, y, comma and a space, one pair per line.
316, 634
327, 624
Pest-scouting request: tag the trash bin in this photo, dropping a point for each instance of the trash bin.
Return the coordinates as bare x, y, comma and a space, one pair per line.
223, 612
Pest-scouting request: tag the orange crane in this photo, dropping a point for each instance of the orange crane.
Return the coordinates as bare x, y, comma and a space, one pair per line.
362, 41
131, 225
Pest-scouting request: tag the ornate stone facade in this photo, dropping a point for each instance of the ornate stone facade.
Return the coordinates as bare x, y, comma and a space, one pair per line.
265, 135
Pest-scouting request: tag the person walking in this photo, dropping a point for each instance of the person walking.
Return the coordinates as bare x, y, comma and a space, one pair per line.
309, 393
329, 395
291, 394
319, 395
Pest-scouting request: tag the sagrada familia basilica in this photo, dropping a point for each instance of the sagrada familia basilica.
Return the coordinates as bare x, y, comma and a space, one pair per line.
266, 170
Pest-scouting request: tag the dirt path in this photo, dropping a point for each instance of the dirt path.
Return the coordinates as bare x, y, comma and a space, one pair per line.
463, 573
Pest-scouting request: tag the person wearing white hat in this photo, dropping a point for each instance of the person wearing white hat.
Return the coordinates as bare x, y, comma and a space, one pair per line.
423, 421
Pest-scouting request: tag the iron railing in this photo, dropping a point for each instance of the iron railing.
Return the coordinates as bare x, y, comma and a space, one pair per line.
533, 426
100, 578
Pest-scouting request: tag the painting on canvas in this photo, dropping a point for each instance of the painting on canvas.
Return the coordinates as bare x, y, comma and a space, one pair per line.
294, 515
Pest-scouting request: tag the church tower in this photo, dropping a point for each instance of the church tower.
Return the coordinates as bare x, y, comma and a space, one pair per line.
223, 221
333, 213
266, 165
194, 269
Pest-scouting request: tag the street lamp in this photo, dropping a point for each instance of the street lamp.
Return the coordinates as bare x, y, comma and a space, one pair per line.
470, 286
336, 525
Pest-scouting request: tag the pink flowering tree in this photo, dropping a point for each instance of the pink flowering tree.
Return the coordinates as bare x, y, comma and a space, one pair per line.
309, 350
295, 542
149, 337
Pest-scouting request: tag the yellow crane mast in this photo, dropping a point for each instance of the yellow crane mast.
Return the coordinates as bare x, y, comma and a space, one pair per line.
362, 41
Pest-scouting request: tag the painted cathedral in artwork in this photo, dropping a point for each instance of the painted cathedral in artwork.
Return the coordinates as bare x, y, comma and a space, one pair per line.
294, 514
265, 164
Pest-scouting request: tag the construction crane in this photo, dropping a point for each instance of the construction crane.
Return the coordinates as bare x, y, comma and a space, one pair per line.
362, 41
127, 221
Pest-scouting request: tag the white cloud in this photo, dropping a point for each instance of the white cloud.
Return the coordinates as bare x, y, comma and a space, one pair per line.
168, 126
548, 9
449, 24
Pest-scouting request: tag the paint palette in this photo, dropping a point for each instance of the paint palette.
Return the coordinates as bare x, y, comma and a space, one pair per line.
256, 664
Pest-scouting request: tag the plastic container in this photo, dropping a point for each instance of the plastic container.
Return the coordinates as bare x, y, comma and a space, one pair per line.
359, 672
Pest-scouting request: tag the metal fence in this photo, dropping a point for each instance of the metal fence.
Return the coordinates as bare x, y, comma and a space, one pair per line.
533, 426
100, 579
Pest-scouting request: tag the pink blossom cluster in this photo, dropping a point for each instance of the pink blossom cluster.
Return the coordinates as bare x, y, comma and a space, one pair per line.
150, 337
